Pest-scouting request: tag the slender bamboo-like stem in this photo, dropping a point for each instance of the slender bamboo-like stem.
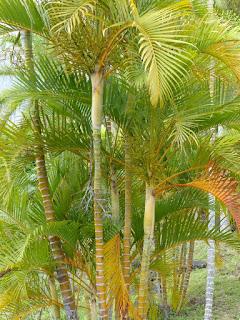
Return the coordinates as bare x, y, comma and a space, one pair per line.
110, 313
88, 308
161, 299
117, 312
114, 195
179, 270
210, 270
97, 107
54, 295
128, 215
62, 274
211, 225
149, 219
112, 136
164, 294
115, 217
128, 207
94, 305
183, 266
187, 276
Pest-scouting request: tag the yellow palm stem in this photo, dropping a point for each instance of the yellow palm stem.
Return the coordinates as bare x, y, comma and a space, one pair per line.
187, 276
88, 308
94, 306
54, 295
128, 216
97, 106
117, 312
149, 219
62, 274
114, 196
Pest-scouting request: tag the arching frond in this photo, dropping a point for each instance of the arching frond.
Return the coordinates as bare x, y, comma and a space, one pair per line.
70, 13
116, 287
185, 199
17, 15
162, 40
220, 184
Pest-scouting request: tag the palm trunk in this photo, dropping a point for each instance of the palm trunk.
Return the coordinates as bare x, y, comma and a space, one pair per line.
211, 248
115, 218
54, 295
149, 219
162, 297
94, 306
110, 313
114, 196
187, 276
164, 293
88, 308
210, 271
62, 275
224, 223
128, 208
183, 266
113, 176
97, 107
128, 216
117, 312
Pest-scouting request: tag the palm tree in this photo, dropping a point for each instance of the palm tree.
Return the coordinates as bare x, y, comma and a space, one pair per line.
71, 139
94, 67
62, 274
102, 49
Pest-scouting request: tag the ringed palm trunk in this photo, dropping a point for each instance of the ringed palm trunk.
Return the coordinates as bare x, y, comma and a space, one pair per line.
88, 308
54, 295
128, 216
211, 248
186, 276
210, 270
114, 196
128, 212
162, 296
94, 306
62, 274
149, 219
116, 220
97, 110
113, 176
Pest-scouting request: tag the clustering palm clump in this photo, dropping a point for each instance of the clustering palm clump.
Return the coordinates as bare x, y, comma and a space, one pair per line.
112, 110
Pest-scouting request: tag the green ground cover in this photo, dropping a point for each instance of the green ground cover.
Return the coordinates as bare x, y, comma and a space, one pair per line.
227, 288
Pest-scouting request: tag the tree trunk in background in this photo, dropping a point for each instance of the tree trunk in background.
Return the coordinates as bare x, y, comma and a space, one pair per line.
112, 136
62, 275
54, 295
97, 111
89, 308
94, 306
187, 276
114, 195
211, 248
162, 298
128, 216
210, 270
224, 223
115, 219
149, 219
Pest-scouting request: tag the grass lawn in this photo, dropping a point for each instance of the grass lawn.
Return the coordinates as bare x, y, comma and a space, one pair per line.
226, 291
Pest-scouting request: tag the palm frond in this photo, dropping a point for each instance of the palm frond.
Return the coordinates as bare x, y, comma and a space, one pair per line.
220, 184
70, 13
116, 288
162, 39
17, 15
